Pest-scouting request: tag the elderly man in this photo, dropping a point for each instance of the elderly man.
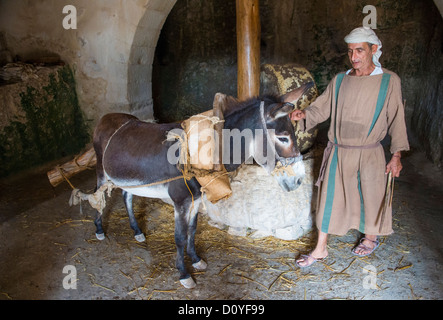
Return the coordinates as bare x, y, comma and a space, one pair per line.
364, 104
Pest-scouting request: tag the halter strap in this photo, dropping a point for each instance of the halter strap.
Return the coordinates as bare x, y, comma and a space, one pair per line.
283, 161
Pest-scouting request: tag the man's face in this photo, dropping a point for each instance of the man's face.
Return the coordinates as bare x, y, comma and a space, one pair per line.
360, 55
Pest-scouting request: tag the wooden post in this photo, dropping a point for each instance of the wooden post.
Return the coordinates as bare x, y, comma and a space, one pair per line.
248, 48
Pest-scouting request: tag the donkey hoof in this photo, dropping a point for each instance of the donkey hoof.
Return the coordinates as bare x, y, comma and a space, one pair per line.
140, 237
100, 236
201, 265
188, 283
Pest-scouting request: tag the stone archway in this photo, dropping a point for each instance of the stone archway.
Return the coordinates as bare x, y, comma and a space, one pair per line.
139, 85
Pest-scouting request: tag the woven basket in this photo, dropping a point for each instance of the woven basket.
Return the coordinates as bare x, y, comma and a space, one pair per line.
216, 186
202, 140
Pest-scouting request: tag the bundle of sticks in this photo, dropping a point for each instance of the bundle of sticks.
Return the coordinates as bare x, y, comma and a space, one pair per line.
389, 193
63, 172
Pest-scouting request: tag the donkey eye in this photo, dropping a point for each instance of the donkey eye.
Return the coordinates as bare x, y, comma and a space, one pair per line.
283, 139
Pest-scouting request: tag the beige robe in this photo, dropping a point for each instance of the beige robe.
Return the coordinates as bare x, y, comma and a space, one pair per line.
352, 193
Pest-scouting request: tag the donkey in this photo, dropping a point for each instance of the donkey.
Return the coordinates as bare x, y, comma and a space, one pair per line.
132, 154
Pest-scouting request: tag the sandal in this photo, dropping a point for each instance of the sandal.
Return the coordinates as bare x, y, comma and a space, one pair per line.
364, 247
305, 258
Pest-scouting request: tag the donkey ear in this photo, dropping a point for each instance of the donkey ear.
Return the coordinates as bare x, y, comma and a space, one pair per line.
294, 95
219, 104
281, 110
225, 103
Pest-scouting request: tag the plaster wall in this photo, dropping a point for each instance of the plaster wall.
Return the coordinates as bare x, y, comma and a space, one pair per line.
110, 52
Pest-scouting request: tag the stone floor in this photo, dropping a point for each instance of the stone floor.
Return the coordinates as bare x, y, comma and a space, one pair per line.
43, 242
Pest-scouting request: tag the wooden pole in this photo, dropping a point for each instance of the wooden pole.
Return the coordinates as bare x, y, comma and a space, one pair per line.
248, 48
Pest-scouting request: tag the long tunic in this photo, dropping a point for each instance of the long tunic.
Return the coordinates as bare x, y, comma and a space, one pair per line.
351, 195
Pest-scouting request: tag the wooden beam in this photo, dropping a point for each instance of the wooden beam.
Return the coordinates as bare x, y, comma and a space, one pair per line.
62, 173
248, 48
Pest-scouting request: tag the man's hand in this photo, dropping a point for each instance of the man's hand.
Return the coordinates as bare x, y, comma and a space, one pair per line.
394, 165
298, 115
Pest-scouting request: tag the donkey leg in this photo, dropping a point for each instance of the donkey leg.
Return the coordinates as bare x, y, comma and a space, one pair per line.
138, 234
99, 233
181, 233
197, 262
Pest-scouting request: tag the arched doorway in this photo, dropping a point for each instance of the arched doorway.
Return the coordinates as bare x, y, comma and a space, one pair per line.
141, 57
196, 57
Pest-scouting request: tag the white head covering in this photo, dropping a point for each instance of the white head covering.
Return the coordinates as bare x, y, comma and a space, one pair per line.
366, 34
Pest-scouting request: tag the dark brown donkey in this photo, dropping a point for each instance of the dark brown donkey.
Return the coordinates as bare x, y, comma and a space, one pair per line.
133, 153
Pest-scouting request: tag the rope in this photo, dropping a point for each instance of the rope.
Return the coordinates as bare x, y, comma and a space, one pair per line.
185, 157
214, 120
184, 162
192, 196
279, 169
87, 166
97, 199
109, 141
216, 176
60, 170
149, 184
75, 160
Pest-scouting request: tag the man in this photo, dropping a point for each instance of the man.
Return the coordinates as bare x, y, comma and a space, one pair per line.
364, 104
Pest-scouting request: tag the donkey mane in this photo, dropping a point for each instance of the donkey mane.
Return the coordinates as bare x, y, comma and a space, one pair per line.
233, 105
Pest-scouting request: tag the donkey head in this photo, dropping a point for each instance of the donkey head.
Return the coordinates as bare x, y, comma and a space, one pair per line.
283, 158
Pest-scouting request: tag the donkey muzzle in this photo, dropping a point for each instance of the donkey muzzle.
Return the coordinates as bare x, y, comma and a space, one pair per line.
290, 173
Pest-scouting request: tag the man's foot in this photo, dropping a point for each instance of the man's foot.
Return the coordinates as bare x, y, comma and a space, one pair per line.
365, 247
307, 260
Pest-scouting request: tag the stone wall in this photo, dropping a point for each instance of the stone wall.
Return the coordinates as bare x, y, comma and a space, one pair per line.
110, 52
427, 115
40, 118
